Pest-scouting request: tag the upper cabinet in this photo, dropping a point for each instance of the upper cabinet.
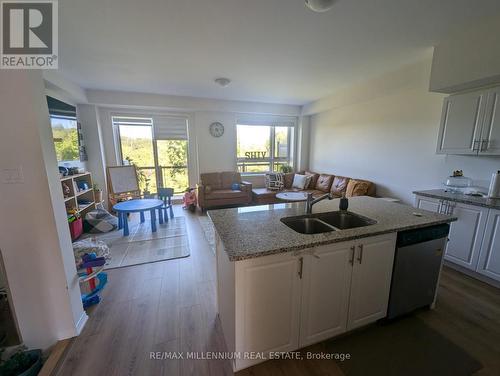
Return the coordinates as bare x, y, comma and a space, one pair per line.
490, 133
470, 124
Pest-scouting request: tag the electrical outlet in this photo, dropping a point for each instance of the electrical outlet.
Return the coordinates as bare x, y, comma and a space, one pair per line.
13, 175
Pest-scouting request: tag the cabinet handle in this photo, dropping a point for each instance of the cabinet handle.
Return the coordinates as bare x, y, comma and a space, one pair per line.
444, 207
484, 145
351, 259
301, 264
360, 257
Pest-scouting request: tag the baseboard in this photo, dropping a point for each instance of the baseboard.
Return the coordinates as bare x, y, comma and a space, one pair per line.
57, 354
81, 323
472, 274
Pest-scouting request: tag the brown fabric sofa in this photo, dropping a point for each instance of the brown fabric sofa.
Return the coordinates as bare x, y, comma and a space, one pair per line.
320, 184
214, 190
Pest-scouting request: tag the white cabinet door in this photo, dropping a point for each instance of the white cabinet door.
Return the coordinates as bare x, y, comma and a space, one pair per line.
427, 203
490, 134
325, 292
267, 305
371, 280
489, 259
466, 235
461, 121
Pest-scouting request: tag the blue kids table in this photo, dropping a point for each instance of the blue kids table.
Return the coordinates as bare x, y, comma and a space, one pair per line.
134, 206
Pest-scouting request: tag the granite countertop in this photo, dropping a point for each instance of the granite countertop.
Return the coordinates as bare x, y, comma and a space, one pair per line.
442, 194
250, 232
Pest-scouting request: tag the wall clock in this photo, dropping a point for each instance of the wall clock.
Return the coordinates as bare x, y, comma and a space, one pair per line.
216, 129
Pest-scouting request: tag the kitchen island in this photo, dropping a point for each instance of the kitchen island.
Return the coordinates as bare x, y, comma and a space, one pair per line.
280, 290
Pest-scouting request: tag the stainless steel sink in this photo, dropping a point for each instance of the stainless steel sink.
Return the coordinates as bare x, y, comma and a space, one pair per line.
306, 225
326, 222
344, 220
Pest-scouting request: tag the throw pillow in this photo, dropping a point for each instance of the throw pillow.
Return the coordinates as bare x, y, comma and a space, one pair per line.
300, 181
339, 185
288, 179
274, 182
313, 179
357, 188
324, 183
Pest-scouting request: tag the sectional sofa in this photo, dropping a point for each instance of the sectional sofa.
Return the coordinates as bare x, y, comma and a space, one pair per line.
318, 185
218, 189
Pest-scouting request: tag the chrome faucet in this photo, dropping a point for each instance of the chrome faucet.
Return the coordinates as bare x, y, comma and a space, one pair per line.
311, 201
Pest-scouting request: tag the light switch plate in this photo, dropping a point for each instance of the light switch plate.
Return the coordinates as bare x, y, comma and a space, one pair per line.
13, 175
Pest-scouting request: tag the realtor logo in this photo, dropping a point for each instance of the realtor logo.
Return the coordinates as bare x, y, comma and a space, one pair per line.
29, 35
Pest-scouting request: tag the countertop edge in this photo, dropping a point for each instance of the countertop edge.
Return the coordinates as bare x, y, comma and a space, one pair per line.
463, 200
233, 258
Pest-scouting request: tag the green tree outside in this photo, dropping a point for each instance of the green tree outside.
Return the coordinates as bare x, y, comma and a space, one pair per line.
172, 160
66, 143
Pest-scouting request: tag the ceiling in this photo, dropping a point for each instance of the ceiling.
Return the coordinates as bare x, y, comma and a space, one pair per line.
275, 51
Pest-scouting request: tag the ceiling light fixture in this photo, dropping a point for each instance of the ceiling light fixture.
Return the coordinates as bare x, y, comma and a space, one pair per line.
222, 81
320, 5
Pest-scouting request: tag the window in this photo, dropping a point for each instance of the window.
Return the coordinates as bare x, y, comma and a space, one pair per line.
64, 130
264, 144
136, 146
158, 147
65, 134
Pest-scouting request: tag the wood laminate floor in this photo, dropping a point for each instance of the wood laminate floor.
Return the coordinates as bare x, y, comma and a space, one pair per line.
170, 306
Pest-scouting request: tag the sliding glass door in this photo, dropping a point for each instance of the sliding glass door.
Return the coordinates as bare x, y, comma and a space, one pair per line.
173, 164
162, 162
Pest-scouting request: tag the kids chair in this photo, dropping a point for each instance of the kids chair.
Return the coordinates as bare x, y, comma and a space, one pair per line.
166, 194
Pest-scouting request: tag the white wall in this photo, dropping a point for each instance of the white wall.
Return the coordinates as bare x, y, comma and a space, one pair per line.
468, 59
209, 153
179, 103
216, 153
303, 143
92, 135
389, 138
34, 235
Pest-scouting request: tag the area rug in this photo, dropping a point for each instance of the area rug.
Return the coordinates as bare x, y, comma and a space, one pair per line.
142, 246
405, 347
142, 231
209, 231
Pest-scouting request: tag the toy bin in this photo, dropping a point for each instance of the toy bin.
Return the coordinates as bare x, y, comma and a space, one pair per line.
76, 228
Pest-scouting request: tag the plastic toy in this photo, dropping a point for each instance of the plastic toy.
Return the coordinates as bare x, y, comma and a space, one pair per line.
92, 279
189, 200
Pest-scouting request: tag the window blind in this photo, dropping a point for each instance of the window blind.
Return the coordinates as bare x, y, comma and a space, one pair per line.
170, 128
58, 108
130, 120
269, 120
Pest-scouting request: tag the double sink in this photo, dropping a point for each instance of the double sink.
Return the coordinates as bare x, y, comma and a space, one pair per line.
326, 222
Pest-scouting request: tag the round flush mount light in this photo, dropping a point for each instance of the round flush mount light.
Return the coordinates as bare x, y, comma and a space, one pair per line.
320, 5
222, 81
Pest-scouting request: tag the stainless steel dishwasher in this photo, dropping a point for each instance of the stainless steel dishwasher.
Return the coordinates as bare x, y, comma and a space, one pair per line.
417, 264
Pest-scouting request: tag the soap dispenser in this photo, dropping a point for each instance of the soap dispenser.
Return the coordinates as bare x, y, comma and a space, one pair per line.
344, 202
